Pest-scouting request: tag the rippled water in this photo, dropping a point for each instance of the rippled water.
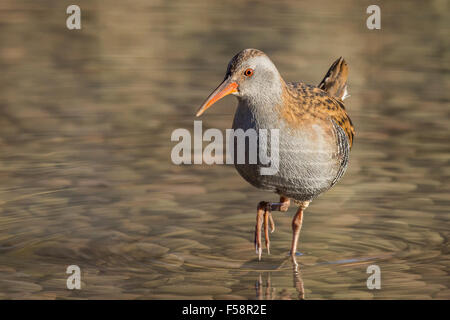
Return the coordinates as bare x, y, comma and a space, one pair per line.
86, 176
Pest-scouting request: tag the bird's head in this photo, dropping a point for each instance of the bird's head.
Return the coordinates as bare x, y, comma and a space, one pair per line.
250, 76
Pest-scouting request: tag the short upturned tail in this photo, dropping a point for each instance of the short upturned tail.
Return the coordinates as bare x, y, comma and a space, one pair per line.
335, 81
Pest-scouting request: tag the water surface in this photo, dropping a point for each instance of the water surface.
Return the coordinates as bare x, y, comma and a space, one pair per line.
86, 176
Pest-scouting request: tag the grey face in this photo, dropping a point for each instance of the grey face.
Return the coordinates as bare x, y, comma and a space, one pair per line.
257, 78
253, 78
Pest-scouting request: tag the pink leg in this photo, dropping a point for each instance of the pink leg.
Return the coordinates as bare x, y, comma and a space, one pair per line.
264, 217
297, 225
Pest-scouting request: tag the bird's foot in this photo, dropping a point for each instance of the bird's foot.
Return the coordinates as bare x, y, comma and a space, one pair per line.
263, 218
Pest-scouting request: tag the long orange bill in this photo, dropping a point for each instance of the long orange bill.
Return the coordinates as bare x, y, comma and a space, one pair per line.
225, 88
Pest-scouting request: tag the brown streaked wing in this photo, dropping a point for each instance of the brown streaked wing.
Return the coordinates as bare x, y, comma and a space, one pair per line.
306, 102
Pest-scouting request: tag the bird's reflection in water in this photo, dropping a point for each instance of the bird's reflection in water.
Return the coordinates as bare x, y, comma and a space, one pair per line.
269, 291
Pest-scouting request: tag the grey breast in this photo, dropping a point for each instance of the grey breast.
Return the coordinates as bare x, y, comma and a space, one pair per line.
309, 161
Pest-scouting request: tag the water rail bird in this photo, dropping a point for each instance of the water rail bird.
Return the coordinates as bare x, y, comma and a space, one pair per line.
315, 133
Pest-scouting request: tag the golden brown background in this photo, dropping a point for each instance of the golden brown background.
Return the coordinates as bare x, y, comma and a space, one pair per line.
85, 171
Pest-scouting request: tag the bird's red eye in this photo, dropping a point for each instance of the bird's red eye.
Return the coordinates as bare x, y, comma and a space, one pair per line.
248, 72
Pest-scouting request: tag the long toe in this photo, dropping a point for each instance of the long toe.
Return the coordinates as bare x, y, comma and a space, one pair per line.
266, 230
259, 220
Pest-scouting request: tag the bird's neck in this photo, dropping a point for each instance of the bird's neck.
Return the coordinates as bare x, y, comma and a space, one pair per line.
262, 112
265, 102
